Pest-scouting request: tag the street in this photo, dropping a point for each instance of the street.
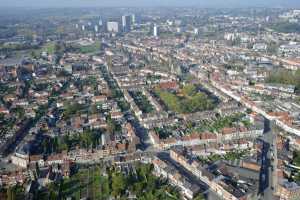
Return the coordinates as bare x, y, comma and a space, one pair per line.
211, 195
268, 162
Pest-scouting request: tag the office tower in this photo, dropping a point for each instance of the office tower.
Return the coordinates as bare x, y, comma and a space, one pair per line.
155, 30
126, 23
96, 28
100, 22
83, 27
133, 20
196, 31
113, 27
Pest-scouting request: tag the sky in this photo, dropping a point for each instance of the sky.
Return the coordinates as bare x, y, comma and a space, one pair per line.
142, 3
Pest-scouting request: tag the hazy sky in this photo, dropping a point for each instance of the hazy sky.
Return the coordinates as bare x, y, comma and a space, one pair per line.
129, 3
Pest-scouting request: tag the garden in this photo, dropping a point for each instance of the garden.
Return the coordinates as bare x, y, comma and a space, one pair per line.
188, 99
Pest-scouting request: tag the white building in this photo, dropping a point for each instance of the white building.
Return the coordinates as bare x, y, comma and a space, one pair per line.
113, 27
133, 19
260, 47
96, 28
155, 30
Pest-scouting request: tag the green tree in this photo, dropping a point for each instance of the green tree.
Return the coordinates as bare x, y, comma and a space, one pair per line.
104, 187
189, 90
15, 192
199, 197
10, 194
296, 158
111, 125
118, 184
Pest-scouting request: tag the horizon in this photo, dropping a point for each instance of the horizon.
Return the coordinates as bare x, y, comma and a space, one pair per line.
36, 4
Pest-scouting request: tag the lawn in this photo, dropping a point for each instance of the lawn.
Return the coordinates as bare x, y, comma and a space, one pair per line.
49, 48
187, 100
91, 48
72, 109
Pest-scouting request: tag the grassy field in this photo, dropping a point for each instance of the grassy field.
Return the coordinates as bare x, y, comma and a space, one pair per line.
187, 100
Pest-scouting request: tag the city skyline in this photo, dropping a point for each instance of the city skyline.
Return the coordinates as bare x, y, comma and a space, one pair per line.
154, 3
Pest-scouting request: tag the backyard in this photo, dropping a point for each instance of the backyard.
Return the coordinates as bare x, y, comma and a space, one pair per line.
100, 183
141, 101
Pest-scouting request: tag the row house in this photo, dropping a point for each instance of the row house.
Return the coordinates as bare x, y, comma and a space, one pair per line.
216, 184
152, 100
99, 99
288, 190
13, 178
4, 110
227, 134
188, 189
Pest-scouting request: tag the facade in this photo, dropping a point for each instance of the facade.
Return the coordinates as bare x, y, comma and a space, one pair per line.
113, 27
219, 186
288, 190
126, 23
155, 30
188, 189
96, 28
20, 160
133, 19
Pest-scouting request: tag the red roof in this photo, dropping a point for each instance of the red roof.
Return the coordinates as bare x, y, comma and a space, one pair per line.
243, 129
169, 141
121, 146
168, 85
226, 131
3, 110
208, 135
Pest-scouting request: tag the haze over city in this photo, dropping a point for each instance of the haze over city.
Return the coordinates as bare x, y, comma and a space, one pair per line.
149, 3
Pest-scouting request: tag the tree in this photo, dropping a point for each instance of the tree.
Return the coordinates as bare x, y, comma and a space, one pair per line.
53, 195
296, 158
33, 54
15, 192
118, 184
10, 194
272, 48
19, 111
111, 125
199, 197
104, 187
189, 90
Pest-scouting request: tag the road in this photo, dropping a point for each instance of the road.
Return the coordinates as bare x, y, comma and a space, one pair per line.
209, 194
12, 144
142, 133
268, 162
